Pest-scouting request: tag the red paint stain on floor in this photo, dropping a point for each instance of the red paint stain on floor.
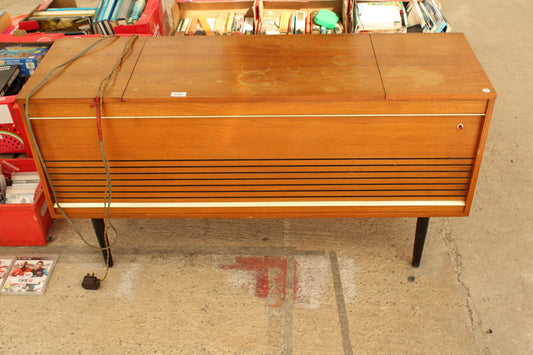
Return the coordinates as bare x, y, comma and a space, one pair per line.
271, 275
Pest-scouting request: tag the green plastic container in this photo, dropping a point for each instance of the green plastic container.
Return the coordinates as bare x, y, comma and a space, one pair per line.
326, 18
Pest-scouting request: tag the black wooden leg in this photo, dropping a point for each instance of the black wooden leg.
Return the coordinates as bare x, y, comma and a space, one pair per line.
103, 241
420, 237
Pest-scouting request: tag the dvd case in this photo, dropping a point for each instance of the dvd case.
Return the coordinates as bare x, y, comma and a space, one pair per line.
5, 266
29, 274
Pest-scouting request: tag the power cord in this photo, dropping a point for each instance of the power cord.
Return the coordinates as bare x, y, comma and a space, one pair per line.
89, 281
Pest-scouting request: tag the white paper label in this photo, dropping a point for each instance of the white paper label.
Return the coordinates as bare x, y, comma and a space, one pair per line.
178, 94
5, 115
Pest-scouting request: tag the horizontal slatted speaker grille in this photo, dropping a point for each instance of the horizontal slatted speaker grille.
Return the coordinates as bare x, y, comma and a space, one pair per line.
380, 179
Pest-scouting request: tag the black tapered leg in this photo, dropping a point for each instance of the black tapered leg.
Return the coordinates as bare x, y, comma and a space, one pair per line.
420, 237
103, 241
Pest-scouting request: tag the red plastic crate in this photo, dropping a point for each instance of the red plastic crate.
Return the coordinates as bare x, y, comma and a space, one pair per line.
13, 137
153, 21
26, 223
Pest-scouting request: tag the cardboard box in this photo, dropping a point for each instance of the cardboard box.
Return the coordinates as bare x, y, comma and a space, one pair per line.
46, 4
183, 9
276, 9
27, 23
5, 21
28, 223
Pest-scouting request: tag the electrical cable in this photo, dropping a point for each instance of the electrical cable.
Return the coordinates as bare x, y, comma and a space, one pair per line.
97, 103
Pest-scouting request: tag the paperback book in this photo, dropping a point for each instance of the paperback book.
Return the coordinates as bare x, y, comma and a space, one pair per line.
29, 275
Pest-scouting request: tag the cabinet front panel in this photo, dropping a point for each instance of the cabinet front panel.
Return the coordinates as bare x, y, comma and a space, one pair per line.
257, 137
280, 162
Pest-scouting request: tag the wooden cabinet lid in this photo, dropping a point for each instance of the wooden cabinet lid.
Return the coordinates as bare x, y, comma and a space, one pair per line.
285, 68
430, 66
81, 79
256, 68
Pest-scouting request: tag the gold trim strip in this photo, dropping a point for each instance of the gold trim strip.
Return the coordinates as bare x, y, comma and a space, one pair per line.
264, 116
261, 204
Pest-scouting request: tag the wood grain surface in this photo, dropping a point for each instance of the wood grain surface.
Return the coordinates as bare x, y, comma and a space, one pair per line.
268, 126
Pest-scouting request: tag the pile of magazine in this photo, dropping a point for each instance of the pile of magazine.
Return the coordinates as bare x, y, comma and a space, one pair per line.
397, 16
25, 275
427, 15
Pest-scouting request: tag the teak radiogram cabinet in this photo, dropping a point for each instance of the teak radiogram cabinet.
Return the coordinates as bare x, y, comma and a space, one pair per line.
365, 125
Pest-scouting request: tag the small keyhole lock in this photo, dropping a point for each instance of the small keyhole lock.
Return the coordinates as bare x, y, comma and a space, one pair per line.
460, 126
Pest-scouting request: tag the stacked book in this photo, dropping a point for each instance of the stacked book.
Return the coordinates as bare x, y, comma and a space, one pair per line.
111, 13
225, 23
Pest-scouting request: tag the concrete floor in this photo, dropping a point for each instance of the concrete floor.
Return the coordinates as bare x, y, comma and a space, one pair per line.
333, 286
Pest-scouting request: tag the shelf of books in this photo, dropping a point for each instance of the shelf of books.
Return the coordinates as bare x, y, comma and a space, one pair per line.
277, 17
223, 17
108, 17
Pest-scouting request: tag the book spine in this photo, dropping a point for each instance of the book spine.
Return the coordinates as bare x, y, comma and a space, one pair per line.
137, 11
115, 11
109, 9
125, 10
98, 9
74, 8
105, 4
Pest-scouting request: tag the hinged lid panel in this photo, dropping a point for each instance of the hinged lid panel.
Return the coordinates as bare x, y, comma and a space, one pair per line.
255, 68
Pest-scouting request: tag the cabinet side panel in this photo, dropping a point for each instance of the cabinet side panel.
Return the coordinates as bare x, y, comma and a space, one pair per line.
479, 154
